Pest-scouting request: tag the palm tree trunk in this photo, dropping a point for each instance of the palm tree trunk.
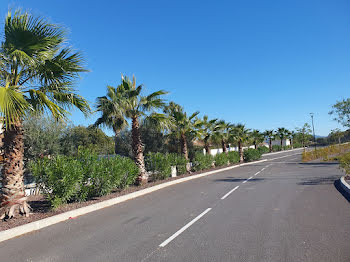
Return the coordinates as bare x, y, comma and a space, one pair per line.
116, 133
291, 143
207, 146
240, 151
137, 149
224, 147
13, 199
184, 150
270, 145
281, 144
255, 145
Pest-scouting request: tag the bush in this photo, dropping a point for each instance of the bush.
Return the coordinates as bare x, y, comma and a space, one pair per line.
276, 148
233, 157
179, 161
201, 161
286, 147
221, 159
63, 178
160, 164
251, 154
263, 149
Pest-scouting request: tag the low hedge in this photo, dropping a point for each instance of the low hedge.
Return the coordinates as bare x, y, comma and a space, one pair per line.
251, 154
201, 161
263, 149
233, 157
65, 179
276, 148
221, 159
160, 164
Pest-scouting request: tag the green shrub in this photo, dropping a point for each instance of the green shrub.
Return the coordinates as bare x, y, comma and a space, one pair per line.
286, 147
263, 149
201, 161
233, 157
251, 154
63, 179
221, 159
179, 161
276, 148
159, 164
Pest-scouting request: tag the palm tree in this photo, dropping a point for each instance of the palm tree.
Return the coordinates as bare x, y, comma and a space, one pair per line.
292, 136
182, 125
37, 74
133, 106
257, 137
240, 134
270, 135
207, 130
282, 133
222, 133
112, 112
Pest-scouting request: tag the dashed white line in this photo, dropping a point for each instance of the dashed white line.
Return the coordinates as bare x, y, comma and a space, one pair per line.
184, 228
229, 192
249, 178
245, 181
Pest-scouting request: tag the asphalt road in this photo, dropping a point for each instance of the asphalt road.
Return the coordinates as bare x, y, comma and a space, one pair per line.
286, 211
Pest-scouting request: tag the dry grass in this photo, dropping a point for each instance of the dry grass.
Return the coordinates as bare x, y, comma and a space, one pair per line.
325, 153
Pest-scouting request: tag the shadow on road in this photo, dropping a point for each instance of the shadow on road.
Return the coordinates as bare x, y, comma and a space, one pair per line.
318, 181
341, 190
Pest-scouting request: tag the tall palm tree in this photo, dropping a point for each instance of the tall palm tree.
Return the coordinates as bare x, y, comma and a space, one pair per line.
182, 125
112, 110
282, 133
257, 137
292, 135
222, 134
133, 105
270, 136
37, 75
207, 130
240, 135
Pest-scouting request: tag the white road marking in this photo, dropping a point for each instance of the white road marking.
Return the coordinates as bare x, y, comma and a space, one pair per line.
184, 228
249, 178
245, 181
229, 192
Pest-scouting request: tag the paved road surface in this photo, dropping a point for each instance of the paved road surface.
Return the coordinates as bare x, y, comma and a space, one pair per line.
288, 211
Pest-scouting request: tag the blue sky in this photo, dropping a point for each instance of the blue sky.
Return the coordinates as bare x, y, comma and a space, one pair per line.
267, 64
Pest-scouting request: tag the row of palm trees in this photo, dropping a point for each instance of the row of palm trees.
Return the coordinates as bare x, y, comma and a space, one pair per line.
126, 103
38, 72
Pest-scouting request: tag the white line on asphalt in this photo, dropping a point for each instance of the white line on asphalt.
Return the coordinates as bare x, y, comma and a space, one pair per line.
184, 228
249, 178
229, 192
245, 181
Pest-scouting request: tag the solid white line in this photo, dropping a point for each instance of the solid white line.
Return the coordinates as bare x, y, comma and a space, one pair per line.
245, 181
250, 178
229, 192
183, 229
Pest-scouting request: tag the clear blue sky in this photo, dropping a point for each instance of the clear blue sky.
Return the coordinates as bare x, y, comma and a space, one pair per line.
267, 64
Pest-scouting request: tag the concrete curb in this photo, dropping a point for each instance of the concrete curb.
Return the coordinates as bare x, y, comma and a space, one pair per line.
283, 151
345, 185
39, 224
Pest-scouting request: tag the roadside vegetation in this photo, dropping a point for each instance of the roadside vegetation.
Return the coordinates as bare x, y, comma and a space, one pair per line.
325, 153
151, 136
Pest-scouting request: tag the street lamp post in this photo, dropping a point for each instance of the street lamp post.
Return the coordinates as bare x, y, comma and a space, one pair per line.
313, 128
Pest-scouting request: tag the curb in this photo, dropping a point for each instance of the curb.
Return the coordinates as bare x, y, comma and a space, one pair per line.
39, 224
345, 185
282, 151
